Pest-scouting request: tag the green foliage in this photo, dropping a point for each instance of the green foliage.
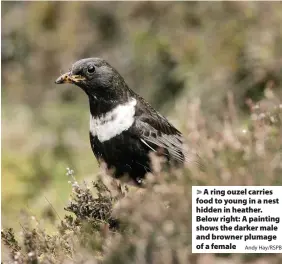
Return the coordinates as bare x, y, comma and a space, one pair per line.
215, 68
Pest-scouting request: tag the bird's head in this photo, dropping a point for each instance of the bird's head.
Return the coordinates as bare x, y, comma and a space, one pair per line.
96, 77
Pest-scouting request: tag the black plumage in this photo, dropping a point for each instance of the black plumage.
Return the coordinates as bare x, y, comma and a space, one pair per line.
124, 128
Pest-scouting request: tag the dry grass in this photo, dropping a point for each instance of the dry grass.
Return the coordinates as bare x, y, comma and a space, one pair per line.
111, 225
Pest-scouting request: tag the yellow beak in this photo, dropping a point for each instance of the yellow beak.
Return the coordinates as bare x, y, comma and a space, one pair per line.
69, 78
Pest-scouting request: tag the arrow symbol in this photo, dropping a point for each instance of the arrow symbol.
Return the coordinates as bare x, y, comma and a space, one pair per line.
199, 192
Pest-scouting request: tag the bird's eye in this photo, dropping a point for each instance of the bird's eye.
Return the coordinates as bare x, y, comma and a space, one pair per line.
91, 69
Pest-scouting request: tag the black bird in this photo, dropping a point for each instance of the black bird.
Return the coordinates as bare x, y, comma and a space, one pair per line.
124, 128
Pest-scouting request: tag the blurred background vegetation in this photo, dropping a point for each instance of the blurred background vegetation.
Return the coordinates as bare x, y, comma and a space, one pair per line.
172, 54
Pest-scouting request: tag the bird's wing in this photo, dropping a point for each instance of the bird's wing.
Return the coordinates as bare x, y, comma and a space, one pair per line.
155, 131
158, 134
